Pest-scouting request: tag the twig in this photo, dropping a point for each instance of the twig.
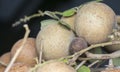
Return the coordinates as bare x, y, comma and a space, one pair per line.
83, 62
19, 49
27, 18
40, 53
40, 13
93, 63
81, 58
77, 54
110, 64
115, 54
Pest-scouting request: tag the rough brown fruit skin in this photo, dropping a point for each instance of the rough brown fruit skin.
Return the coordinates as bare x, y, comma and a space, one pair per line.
2, 68
69, 20
28, 53
55, 41
95, 21
19, 67
55, 66
77, 44
5, 58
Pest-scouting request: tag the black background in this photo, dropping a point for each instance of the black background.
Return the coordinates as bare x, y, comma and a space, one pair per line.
13, 10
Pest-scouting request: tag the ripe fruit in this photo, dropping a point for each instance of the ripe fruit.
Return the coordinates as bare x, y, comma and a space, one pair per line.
5, 58
55, 66
55, 40
2, 68
19, 67
28, 53
95, 21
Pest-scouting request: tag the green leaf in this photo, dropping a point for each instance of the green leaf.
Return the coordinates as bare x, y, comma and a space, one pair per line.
83, 69
116, 61
69, 12
47, 22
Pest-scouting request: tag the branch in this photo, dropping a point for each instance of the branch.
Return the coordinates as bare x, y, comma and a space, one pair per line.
40, 52
81, 58
115, 54
83, 62
19, 49
77, 54
95, 62
40, 13
27, 18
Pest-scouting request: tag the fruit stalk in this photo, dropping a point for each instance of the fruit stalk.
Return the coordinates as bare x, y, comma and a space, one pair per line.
19, 50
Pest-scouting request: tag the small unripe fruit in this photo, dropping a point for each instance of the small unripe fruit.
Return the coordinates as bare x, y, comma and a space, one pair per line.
77, 44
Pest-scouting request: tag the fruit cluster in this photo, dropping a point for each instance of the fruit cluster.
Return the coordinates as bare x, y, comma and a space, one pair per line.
92, 23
